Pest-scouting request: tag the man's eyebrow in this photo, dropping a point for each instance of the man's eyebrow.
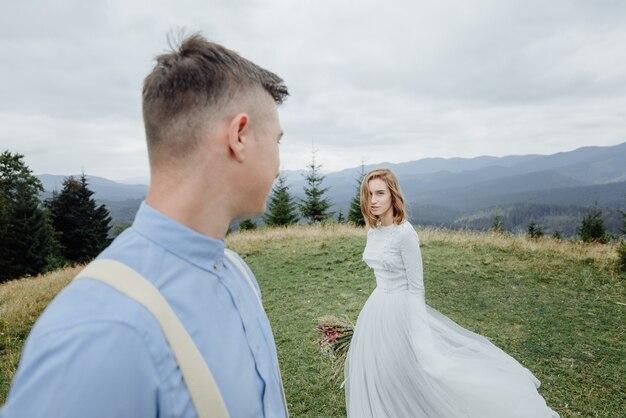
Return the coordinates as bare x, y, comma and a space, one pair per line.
280, 135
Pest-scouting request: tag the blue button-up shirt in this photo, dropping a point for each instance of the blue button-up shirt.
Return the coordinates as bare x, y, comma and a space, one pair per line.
96, 353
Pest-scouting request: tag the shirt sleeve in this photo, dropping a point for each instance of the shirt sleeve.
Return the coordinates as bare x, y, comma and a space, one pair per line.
88, 370
412, 259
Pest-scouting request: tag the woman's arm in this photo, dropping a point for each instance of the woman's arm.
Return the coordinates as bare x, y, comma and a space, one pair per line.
412, 259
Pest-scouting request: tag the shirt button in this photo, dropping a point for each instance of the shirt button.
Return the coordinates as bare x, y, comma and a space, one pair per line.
215, 266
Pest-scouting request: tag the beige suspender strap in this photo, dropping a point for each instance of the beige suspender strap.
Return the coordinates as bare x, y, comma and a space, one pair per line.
203, 390
231, 256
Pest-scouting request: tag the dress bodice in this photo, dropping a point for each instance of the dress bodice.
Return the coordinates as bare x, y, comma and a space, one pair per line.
393, 253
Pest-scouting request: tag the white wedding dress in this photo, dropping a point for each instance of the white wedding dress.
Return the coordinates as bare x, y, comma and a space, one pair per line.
408, 360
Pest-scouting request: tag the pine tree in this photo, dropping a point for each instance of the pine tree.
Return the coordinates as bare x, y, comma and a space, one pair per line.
623, 213
497, 225
535, 231
354, 214
246, 225
26, 238
315, 206
621, 246
282, 207
83, 226
592, 228
340, 218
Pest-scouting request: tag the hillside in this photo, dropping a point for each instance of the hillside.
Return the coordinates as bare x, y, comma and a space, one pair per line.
556, 306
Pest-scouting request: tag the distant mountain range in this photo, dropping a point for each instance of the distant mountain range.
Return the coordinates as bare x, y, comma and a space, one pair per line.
104, 189
461, 192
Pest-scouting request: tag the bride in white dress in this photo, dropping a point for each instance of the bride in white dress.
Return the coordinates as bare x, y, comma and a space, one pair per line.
407, 359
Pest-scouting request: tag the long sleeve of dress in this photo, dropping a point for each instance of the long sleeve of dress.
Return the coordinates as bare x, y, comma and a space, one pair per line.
412, 259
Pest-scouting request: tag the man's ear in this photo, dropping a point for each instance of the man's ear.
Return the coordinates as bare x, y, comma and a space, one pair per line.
238, 135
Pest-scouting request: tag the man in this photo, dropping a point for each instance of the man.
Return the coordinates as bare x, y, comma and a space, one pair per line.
212, 130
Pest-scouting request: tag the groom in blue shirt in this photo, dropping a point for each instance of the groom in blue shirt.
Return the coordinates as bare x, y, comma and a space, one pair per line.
212, 131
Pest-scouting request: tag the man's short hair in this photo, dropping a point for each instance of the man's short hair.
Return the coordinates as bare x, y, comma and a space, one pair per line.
192, 84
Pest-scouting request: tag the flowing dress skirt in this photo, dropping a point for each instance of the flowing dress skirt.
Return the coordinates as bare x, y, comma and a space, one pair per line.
408, 360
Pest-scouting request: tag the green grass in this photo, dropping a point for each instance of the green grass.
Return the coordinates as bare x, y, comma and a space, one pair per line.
558, 307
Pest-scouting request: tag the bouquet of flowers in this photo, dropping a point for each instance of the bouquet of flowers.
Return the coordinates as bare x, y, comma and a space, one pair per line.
336, 335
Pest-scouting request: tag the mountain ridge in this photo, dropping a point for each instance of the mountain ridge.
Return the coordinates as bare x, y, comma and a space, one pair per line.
448, 189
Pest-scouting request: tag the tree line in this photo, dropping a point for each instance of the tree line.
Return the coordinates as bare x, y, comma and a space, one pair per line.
38, 236
283, 209
70, 227
592, 227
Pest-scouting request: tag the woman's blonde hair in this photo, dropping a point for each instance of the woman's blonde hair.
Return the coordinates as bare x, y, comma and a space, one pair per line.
397, 199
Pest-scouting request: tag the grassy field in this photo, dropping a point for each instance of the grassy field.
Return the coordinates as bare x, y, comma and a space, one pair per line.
558, 307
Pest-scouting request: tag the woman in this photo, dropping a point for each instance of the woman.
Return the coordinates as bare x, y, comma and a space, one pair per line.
408, 360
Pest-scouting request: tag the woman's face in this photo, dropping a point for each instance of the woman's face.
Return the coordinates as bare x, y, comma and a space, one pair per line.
380, 197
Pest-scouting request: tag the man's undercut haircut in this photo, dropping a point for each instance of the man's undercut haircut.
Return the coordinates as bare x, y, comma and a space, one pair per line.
190, 85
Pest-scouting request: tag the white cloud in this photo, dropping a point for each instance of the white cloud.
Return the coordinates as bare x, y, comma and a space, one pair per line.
110, 147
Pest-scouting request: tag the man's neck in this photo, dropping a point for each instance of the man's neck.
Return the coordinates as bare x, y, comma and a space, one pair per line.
188, 206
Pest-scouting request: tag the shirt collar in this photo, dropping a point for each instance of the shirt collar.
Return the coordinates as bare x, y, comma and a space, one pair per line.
179, 239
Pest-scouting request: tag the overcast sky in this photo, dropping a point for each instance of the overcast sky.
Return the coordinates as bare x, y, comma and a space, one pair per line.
383, 81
